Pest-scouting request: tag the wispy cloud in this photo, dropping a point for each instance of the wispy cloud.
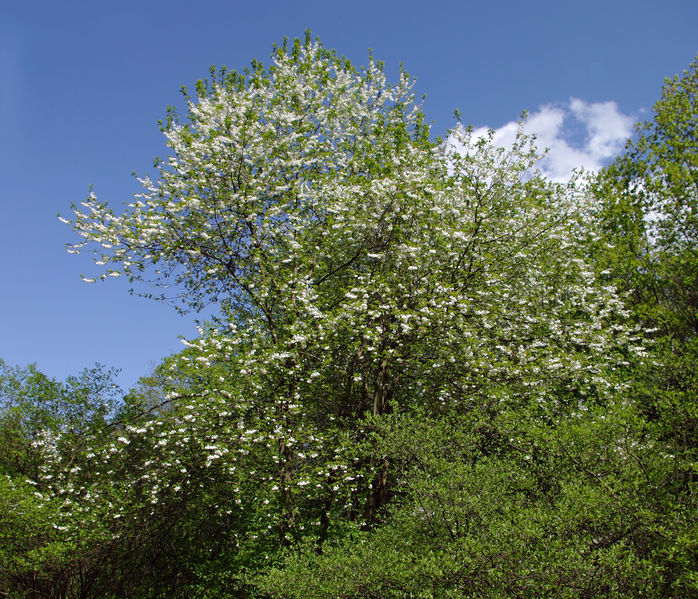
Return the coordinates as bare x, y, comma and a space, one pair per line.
577, 134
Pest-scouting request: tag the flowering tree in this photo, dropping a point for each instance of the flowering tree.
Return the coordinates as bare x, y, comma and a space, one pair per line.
362, 271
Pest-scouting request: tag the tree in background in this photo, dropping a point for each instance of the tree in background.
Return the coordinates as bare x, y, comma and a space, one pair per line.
42, 419
32, 404
648, 215
650, 212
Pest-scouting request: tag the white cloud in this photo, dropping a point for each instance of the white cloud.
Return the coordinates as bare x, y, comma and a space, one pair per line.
604, 130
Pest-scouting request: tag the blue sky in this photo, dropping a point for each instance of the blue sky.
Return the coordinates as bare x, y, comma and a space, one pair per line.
83, 85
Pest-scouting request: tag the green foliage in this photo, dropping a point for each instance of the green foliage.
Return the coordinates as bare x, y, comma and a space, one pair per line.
45, 427
31, 404
511, 507
650, 212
